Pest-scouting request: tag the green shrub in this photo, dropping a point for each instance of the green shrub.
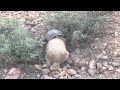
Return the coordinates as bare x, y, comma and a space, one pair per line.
16, 43
78, 26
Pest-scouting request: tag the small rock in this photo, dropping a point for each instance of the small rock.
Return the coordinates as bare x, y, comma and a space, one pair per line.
55, 72
92, 71
47, 77
69, 61
44, 65
65, 77
92, 65
14, 73
104, 68
39, 67
56, 76
83, 68
99, 56
38, 75
96, 39
71, 72
79, 63
116, 34
117, 53
92, 68
110, 68
77, 76
46, 71
105, 44
103, 52
105, 57
118, 70
55, 67
115, 64
99, 65
86, 63
63, 73
106, 64
69, 77
5, 70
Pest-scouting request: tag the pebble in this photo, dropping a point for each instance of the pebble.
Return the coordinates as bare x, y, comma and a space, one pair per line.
39, 67
116, 34
99, 65
106, 64
63, 73
77, 76
110, 68
92, 68
55, 67
38, 75
56, 76
46, 71
5, 70
104, 68
44, 65
83, 68
115, 64
92, 65
118, 70
47, 77
117, 53
71, 72
105, 57
69, 61
79, 63
13, 73
92, 71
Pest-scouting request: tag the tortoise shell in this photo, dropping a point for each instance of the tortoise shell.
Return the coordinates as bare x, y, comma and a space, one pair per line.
53, 33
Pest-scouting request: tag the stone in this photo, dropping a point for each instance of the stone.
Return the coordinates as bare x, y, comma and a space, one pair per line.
39, 67
118, 70
13, 73
55, 67
115, 64
69, 61
116, 33
99, 65
105, 57
83, 68
47, 77
117, 53
56, 76
79, 63
110, 68
46, 71
92, 65
92, 71
5, 70
71, 72
44, 65
38, 75
104, 68
106, 64
63, 73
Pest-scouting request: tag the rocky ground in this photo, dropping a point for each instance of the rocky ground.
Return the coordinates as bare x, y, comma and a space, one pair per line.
100, 60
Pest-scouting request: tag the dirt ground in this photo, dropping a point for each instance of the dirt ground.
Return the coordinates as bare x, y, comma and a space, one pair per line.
99, 60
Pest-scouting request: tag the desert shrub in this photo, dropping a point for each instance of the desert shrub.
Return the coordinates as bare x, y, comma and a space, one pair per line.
78, 26
16, 44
